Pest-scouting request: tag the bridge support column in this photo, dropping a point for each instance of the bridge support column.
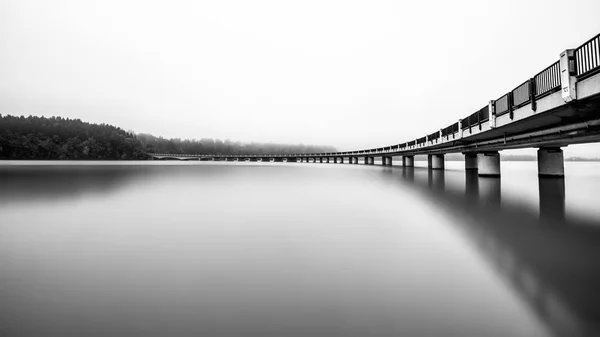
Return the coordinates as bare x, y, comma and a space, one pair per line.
550, 162
488, 164
429, 161
437, 162
470, 161
408, 161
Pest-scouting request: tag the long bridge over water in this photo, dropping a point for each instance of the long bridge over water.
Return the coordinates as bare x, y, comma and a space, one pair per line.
557, 107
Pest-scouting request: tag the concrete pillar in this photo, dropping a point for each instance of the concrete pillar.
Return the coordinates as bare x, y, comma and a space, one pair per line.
437, 162
335, 160
366, 160
550, 162
409, 161
371, 160
429, 161
488, 164
470, 161
342, 160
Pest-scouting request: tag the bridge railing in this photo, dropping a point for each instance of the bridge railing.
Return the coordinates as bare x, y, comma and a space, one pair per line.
521, 95
587, 57
547, 81
502, 105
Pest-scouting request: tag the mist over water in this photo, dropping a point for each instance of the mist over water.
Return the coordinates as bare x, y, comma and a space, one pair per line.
278, 249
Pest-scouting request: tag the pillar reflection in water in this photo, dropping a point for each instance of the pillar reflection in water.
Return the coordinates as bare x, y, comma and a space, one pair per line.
436, 179
552, 199
490, 191
554, 270
471, 185
408, 173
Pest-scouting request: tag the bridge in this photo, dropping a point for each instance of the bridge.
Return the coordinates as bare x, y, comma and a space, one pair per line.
557, 107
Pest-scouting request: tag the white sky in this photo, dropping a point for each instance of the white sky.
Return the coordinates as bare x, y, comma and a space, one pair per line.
353, 74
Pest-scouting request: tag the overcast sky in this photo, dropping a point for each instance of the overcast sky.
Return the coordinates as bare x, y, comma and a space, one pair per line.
352, 74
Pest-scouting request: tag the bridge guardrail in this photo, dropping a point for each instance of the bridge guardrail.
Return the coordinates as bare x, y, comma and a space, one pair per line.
547, 81
502, 105
483, 115
587, 57
521, 95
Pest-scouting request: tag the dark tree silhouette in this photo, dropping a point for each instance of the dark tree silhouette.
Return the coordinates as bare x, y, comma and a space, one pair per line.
62, 138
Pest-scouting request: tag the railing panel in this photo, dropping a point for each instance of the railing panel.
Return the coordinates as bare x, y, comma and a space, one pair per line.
587, 57
547, 80
483, 114
501, 105
521, 94
465, 123
474, 119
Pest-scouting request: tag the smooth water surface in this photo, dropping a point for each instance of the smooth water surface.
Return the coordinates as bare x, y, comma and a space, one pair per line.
278, 249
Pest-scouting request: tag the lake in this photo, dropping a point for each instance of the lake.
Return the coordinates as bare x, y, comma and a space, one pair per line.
166, 248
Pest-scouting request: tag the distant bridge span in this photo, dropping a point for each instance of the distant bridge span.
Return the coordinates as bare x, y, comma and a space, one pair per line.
556, 107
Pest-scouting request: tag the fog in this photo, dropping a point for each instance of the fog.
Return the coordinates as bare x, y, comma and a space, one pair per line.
344, 73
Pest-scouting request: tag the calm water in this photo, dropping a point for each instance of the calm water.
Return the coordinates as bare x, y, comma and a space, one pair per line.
250, 249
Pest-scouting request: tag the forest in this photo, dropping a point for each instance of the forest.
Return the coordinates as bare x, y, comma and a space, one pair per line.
63, 138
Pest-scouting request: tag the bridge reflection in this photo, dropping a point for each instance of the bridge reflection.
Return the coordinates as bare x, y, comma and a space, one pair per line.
549, 261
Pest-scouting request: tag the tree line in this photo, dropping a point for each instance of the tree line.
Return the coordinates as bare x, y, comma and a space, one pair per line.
63, 138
